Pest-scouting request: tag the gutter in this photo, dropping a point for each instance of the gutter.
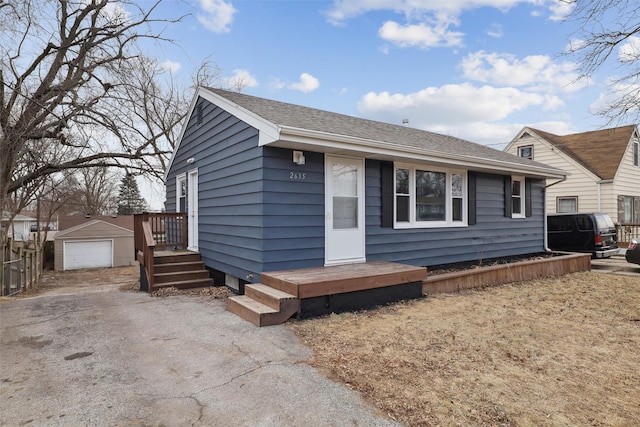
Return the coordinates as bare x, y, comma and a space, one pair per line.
342, 142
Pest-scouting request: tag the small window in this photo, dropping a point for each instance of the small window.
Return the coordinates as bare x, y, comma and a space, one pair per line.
566, 204
517, 197
526, 152
636, 153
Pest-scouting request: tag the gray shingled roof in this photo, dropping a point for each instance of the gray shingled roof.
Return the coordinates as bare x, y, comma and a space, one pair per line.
297, 116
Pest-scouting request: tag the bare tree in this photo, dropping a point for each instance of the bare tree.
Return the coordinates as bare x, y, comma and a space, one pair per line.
64, 66
97, 191
609, 34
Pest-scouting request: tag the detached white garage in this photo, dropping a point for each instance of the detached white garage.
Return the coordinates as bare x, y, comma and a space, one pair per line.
94, 244
87, 254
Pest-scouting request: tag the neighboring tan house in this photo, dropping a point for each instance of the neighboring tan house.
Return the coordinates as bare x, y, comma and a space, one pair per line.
604, 168
270, 186
94, 242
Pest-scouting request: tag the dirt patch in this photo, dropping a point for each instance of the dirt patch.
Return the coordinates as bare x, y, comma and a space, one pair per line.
215, 292
548, 352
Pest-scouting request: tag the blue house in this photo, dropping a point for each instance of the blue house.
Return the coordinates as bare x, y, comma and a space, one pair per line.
273, 186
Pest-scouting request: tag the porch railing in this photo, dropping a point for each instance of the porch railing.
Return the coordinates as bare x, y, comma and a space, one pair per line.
626, 232
156, 231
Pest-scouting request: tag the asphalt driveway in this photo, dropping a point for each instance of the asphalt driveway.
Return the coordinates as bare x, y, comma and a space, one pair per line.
96, 355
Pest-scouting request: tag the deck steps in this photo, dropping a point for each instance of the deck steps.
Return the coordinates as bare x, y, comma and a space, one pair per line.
181, 270
263, 305
309, 292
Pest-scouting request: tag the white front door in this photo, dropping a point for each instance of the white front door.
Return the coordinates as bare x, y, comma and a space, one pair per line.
192, 210
344, 210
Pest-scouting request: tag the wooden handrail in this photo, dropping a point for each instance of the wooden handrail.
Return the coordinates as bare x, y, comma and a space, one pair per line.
157, 231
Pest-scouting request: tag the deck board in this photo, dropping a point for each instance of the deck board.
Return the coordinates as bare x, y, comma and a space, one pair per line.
330, 280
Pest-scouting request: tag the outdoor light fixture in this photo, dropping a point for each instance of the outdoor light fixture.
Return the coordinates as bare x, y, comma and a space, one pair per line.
298, 157
190, 160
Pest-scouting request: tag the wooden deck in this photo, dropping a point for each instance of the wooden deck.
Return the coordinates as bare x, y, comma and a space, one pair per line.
339, 279
314, 291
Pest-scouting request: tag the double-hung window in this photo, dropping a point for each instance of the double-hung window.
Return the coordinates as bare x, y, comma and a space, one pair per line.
429, 197
517, 197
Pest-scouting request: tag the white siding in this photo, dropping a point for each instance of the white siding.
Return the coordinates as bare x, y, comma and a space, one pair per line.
580, 183
627, 180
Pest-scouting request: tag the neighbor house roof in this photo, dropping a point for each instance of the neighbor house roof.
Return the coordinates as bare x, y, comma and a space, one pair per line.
599, 151
6, 216
294, 126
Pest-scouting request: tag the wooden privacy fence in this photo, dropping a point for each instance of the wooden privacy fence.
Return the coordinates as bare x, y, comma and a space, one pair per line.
21, 269
626, 232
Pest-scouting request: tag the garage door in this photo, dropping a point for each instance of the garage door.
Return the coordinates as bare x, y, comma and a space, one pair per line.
88, 254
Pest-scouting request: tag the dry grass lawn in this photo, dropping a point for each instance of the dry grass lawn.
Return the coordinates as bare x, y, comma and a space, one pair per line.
554, 352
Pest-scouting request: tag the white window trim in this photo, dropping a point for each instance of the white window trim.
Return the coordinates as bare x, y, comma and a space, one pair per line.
522, 196
525, 146
179, 179
561, 198
413, 223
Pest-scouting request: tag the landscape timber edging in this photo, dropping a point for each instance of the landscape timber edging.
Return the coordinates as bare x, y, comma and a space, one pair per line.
557, 265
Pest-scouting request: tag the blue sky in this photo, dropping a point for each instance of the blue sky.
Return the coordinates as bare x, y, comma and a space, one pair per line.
476, 69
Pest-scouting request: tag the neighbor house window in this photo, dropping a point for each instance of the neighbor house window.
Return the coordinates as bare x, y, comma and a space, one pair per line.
517, 197
566, 204
636, 153
427, 197
629, 209
526, 152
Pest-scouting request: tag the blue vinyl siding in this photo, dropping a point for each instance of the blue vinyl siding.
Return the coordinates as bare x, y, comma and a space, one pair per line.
493, 236
293, 210
230, 208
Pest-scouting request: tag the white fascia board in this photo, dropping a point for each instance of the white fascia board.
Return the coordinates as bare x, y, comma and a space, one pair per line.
268, 132
516, 138
379, 149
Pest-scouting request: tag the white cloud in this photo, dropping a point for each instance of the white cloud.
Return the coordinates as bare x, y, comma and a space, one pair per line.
630, 51
171, 66
462, 110
560, 9
455, 103
217, 16
240, 79
495, 30
343, 10
420, 35
307, 83
536, 72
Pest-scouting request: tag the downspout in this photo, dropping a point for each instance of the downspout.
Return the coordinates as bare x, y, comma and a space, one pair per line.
546, 239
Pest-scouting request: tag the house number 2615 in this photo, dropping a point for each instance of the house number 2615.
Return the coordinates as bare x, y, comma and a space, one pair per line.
298, 176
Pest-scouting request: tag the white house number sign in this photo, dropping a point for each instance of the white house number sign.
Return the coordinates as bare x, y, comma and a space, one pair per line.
297, 176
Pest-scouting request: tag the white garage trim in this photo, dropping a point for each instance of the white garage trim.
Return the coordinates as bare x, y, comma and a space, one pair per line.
87, 254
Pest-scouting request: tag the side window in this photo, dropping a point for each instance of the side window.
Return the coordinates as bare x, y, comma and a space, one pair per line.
181, 193
584, 223
517, 197
559, 223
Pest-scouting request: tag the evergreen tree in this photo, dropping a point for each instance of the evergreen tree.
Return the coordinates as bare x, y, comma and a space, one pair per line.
129, 200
